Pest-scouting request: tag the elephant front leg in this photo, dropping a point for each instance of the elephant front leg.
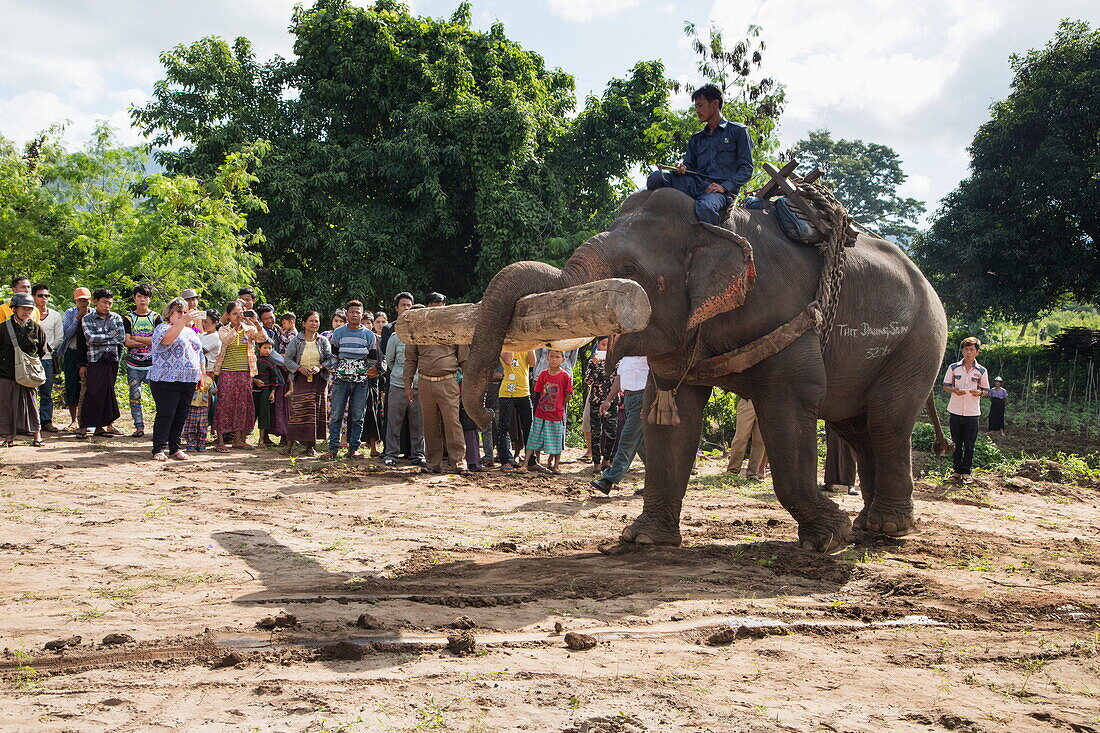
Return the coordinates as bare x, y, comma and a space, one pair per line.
790, 435
670, 451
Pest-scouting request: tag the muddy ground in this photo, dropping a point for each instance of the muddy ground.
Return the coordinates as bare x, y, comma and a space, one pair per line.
259, 593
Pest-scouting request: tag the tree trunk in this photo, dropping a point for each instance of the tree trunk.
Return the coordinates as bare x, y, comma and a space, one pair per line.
563, 319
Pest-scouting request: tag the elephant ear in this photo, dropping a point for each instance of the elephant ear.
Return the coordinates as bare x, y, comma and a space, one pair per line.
720, 272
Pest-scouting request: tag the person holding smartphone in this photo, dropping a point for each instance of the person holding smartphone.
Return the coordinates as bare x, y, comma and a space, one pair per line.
175, 370
967, 381
234, 411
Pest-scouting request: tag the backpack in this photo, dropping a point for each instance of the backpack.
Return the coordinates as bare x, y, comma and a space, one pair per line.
795, 223
29, 371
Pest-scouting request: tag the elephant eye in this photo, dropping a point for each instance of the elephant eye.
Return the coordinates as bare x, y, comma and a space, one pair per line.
628, 270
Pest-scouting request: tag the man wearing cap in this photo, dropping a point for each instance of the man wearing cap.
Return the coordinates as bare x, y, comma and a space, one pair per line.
18, 412
19, 284
50, 321
438, 396
69, 355
192, 298
998, 398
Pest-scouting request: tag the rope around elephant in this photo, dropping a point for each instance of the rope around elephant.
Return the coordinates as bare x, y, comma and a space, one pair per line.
833, 249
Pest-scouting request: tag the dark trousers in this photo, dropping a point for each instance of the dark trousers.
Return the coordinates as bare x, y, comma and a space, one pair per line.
45, 393
605, 432
964, 431
173, 400
708, 206
519, 409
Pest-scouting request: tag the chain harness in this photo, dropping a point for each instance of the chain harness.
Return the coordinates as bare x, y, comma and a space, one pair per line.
833, 249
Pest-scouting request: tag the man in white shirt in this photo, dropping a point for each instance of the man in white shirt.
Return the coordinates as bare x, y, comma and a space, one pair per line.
210, 338
631, 376
51, 323
968, 382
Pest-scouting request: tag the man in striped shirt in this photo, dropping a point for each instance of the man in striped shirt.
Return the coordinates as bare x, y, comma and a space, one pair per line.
355, 356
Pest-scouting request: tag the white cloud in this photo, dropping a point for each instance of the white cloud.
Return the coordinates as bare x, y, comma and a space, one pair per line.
918, 77
886, 58
93, 62
582, 11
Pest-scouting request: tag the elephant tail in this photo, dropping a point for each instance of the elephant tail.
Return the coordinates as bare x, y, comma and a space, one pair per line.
941, 446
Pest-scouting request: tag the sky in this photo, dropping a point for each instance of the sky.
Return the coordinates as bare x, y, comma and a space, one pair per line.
916, 76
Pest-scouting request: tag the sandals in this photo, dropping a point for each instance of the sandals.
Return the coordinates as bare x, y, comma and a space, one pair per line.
81, 435
221, 449
37, 443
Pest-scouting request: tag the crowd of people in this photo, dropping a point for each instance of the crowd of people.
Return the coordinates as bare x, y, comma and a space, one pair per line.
216, 377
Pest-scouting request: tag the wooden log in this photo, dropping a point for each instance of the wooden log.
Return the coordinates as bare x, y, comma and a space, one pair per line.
812, 176
771, 188
562, 319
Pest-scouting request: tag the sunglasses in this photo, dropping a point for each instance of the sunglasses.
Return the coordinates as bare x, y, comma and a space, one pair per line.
42, 295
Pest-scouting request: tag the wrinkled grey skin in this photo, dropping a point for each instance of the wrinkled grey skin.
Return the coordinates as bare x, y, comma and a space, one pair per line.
870, 385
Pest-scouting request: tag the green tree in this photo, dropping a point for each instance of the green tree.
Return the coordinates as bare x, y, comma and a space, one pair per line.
93, 218
750, 98
35, 228
865, 177
1019, 236
407, 153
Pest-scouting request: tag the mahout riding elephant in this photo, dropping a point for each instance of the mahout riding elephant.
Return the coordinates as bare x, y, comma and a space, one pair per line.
882, 356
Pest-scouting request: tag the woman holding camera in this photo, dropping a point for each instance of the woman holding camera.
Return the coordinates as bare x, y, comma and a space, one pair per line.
177, 357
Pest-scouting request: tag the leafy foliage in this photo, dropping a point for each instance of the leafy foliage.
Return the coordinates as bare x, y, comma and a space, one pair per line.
407, 153
94, 218
1019, 236
865, 177
749, 98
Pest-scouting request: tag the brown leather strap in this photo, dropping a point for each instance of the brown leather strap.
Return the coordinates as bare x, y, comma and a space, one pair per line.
751, 354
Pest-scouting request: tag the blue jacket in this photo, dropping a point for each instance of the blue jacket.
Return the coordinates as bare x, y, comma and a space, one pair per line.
725, 154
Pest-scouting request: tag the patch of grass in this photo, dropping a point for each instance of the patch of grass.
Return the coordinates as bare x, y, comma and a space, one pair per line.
88, 614
131, 592
26, 676
122, 596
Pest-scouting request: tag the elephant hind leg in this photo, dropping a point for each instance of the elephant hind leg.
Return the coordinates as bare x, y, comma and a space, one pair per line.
858, 436
889, 510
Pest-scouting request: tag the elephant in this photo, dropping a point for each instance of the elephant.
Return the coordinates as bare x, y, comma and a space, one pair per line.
869, 384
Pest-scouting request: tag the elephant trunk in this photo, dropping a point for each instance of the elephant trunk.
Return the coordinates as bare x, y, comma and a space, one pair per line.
495, 313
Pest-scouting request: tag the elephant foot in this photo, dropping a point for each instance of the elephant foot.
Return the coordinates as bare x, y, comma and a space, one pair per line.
890, 522
860, 522
645, 531
828, 532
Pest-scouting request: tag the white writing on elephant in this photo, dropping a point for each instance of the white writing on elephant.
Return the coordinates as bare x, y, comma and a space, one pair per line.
866, 329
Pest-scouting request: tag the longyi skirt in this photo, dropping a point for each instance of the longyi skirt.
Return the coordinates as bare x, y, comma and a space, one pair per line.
234, 409
308, 419
100, 406
18, 411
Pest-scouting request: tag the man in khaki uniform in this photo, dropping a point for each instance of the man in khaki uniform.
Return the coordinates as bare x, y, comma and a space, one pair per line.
438, 396
747, 427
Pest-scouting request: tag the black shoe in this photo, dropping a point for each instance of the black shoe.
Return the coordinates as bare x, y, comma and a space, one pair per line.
602, 485
422, 462
389, 461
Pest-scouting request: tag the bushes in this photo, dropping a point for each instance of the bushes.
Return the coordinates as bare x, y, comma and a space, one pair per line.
924, 435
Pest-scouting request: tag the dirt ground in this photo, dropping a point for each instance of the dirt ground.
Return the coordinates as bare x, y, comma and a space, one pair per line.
989, 620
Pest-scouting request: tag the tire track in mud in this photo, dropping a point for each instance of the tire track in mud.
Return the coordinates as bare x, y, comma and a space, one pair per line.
197, 648
210, 646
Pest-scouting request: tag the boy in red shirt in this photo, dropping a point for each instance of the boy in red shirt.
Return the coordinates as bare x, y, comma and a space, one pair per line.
554, 386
